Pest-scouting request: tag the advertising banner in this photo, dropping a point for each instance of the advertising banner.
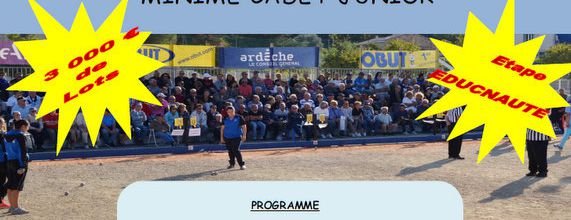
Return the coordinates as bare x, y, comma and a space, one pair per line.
181, 55
10, 55
423, 59
275, 57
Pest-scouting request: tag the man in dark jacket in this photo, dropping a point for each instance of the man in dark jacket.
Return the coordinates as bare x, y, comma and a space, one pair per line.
17, 164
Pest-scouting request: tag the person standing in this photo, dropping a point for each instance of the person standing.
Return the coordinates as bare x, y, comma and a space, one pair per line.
536, 145
454, 145
233, 133
17, 164
565, 126
3, 162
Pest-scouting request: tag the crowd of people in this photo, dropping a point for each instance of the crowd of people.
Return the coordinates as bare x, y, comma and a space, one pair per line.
275, 108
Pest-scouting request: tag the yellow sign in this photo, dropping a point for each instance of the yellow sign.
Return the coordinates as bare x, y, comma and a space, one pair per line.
499, 84
193, 121
309, 118
181, 55
423, 59
87, 69
178, 122
322, 118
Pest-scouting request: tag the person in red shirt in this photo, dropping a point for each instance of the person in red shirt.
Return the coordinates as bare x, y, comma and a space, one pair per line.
51, 125
245, 89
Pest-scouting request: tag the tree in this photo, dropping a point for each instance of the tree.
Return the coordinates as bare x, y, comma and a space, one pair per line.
559, 53
302, 40
24, 37
401, 45
161, 39
343, 54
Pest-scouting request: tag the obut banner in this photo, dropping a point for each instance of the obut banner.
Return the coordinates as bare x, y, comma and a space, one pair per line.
270, 57
423, 59
181, 55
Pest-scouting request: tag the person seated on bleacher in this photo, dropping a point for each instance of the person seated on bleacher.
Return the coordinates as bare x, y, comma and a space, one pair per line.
162, 129
201, 120
51, 126
348, 114
368, 116
257, 126
171, 115
404, 119
294, 122
358, 120
78, 133
333, 119
384, 121
13, 100
322, 112
36, 128
21, 106
310, 126
109, 131
138, 120
16, 116
279, 121
267, 117
212, 122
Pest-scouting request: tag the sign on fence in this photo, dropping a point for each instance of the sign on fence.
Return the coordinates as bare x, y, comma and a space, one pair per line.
265, 57
424, 59
181, 55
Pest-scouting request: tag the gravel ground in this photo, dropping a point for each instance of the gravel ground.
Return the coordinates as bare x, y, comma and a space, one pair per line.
494, 189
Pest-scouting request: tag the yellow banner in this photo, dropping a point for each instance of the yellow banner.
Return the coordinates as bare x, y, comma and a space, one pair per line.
181, 55
423, 59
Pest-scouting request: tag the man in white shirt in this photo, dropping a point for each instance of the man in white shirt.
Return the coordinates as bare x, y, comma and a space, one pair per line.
384, 121
322, 112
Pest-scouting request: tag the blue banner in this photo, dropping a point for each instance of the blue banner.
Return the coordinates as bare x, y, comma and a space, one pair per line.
266, 57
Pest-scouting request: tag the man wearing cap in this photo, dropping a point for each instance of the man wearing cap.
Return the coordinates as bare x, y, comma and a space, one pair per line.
233, 133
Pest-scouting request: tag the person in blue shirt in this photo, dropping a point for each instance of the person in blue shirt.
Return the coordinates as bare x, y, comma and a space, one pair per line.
109, 130
17, 164
233, 133
3, 168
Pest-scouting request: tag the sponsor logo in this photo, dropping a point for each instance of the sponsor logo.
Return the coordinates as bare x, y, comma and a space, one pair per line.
269, 59
158, 53
10, 53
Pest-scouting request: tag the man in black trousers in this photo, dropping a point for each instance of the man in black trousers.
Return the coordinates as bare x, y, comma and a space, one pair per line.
232, 133
536, 145
454, 145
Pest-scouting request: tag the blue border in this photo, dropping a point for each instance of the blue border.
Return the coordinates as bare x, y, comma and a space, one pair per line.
131, 151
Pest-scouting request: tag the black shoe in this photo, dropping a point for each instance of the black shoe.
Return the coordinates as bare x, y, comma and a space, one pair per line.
230, 167
531, 174
542, 175
458, 158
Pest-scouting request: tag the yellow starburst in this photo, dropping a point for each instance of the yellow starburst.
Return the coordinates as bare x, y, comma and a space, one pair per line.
506, 77
87, 69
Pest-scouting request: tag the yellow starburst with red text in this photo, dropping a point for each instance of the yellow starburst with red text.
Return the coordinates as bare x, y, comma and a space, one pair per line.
499, 84
87, 69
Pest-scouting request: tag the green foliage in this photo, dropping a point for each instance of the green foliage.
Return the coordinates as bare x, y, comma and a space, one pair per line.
162, 39
401, 45
343, 54
24, 37
302, 40
560, 53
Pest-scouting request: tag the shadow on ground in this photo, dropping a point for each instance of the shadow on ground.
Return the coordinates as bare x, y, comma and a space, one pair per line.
411, 170
194, 176
512, 189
